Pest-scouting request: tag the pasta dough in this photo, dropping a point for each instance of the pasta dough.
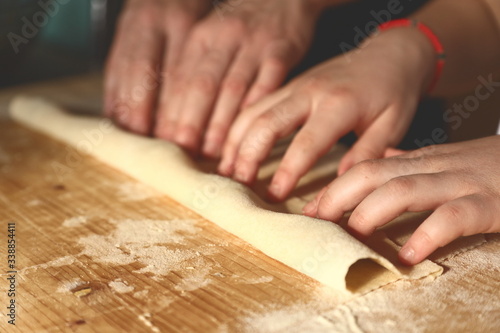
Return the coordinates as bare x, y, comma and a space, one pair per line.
317, 248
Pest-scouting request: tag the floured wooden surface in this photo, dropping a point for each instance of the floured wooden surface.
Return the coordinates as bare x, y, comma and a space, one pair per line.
85, 265
319, 249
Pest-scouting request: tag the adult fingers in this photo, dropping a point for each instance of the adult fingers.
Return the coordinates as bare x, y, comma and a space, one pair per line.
311, 207
178, 27
460, 217
276, 64
131, 82
200, 95
172, 95
269, 127
233, 89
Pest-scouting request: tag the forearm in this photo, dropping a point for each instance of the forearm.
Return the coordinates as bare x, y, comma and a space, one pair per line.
470, 34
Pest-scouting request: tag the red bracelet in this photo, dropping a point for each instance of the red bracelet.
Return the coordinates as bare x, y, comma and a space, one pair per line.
438, 47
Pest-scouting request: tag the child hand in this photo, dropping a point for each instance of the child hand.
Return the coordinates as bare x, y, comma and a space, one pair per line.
375, 94
460, 182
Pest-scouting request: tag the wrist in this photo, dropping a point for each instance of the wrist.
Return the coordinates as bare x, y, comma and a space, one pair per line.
413, 51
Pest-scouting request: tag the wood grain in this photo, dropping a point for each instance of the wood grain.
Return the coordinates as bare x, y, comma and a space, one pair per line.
227, 287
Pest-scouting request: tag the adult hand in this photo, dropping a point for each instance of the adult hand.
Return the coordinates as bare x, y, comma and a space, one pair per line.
374, 91
460, 182
232, 58
148, 42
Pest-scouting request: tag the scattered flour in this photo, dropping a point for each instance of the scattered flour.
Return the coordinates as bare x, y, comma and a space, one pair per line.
160, 260
153, 231
295, 318
146, 318
75, 221
141, 294
262, 279
63, 261
133, 191
68, 286
448, 301
120, 286
149, 242
445, 304
34, 203
196, 278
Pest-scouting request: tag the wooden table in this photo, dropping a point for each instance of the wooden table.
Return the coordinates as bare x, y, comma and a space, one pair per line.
91, 256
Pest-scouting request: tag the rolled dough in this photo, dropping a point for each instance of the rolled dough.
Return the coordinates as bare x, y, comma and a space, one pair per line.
317, 248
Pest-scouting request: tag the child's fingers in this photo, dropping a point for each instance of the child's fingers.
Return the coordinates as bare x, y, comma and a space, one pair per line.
347, 191
239, 129
415, 193
269, 127
314, 140
392, 152
461, 217
311, 208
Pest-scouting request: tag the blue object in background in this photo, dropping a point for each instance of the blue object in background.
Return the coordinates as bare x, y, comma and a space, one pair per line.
44, 39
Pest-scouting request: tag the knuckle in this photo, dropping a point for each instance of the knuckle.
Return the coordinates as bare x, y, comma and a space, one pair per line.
453, 214
367, 168
423, 152
135, 65
180, 20
359, 222
263, 88
235, 85
264, 120
345, 97
314, 84
425, 238
235, 25
326, 205
276, 64
307, 143
400, 186
140, 14
217, 131
205, 83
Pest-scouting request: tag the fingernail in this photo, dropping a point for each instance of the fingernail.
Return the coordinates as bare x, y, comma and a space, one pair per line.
276, 190
309, 208
185, 139
407, 254
138, 126
211, 148
241, 174
223, 168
